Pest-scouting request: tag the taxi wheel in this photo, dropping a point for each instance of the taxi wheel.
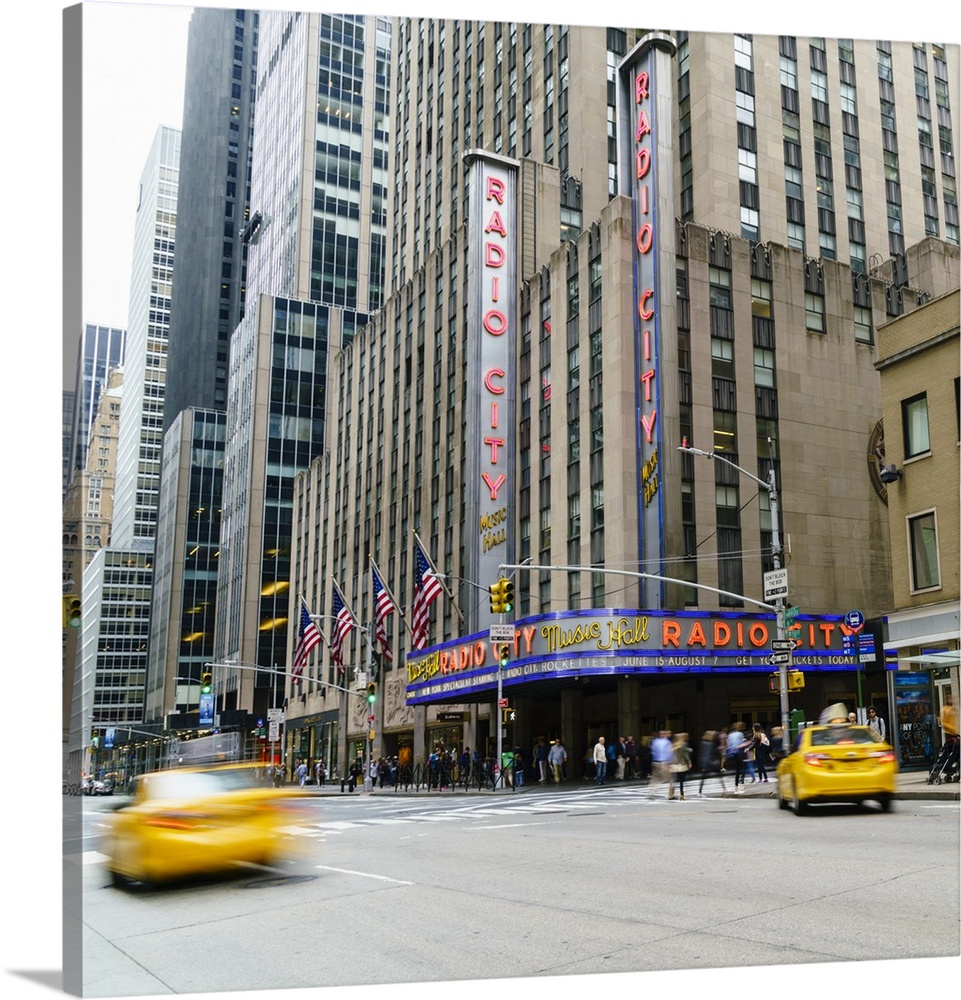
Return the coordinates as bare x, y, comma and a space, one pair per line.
886, 803
797, 805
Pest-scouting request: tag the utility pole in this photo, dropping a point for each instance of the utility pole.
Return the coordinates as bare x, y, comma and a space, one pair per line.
771, 486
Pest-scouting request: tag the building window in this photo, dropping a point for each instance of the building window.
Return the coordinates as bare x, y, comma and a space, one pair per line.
914, 420
814, 312
923, 547
862, 325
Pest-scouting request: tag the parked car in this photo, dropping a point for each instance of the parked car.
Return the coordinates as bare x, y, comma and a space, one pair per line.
196, 821
102, 787
839, 762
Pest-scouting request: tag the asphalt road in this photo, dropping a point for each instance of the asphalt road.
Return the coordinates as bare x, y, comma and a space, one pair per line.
382, 890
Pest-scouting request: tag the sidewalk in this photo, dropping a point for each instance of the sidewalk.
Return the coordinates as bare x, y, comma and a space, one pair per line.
911, 785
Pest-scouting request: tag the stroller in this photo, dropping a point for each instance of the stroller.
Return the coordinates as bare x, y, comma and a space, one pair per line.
946, 768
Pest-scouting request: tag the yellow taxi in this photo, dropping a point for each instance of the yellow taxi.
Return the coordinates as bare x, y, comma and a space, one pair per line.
193, 821
838, 762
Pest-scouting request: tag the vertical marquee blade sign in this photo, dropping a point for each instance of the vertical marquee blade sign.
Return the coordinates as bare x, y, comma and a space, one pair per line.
491, 336
645, 174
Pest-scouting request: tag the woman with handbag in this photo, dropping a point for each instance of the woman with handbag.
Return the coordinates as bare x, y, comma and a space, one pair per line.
680, 765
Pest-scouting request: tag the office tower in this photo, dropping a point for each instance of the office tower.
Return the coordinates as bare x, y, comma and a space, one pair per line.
186, 559
100, 350
315, 272
207, 302
148, 324
757, 347
87, 517
209, 278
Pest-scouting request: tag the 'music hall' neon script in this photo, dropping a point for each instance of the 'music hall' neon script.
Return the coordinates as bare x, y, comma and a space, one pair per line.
646, 301
495, 325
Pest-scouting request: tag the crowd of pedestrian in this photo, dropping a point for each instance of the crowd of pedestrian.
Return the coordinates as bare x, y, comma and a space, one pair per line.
666, 760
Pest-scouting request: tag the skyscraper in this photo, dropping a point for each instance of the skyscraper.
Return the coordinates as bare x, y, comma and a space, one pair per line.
148, 325
101, 349
315, 271
207, 302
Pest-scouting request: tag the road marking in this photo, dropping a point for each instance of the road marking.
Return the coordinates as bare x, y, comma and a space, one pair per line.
504, 826
349, 871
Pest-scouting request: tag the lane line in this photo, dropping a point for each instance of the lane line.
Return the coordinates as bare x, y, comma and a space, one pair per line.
350, 871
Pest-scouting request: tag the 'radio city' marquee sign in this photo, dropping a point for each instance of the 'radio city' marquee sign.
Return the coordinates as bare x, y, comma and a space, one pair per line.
644, 127
608, 641
491, 321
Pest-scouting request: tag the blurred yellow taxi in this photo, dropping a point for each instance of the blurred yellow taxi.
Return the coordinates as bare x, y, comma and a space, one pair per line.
197, 820
840, 762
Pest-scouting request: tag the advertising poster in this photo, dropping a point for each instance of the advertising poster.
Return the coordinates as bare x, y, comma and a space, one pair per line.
914, 714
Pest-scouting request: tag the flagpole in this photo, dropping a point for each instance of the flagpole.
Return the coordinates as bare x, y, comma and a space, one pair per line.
393, 600
440, 578
370, 661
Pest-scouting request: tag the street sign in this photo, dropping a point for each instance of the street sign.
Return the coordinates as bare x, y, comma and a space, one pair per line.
273, 731
854, 621
779, 658
502, 703
783, 645
775, 584
501, 633
275, 715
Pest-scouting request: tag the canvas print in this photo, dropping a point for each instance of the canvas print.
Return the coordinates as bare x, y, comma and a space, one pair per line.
509, 505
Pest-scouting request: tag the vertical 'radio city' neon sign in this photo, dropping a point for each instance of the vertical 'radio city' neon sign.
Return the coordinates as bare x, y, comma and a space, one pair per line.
495, 323
645, 172
646, 294
492, 312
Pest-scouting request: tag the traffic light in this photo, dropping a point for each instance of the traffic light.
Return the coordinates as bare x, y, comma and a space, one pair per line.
206, 683
498, 596
371, 692
504, 655
71, 611
508, 595
508, 715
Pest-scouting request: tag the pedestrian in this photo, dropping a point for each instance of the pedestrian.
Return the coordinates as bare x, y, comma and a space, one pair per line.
433, 769
611, 761
302, 773
762, 750
620, 756
631, 758
540, 756
557, 758
662, 756
356, 771
853, 718
320, 772
680, 765
600, 760
777, 744
709, 760
464, 764
734, 755
876, 725
644, 758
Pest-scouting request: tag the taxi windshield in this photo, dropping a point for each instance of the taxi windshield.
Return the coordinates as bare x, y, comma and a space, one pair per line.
835, 735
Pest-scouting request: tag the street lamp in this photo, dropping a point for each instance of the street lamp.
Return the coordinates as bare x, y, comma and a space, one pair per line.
771, 486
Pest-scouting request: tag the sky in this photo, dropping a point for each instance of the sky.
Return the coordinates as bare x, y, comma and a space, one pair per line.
133, 83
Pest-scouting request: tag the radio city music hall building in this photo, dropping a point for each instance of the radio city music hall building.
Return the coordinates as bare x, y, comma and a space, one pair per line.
521, 402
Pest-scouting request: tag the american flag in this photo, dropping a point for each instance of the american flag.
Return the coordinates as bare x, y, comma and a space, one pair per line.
342, 626
308, 638
426, 590
383, 606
